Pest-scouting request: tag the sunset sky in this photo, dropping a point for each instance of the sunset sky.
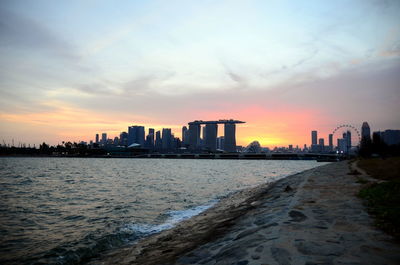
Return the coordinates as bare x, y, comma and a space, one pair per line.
71, 69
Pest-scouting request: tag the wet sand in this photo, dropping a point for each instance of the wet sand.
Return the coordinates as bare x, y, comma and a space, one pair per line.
313, 217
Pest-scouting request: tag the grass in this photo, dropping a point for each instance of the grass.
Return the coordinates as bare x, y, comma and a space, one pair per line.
385, 169
383, 199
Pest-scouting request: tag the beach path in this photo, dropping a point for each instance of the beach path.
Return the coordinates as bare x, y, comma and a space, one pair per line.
316, 220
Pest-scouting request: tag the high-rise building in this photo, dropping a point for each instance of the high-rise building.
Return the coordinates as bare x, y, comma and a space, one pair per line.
390, 137
104, 138
136, 135
184, 133
220, 143
230, 137
166, 139
187, 137
365, 132
150, 139
314, 142
97, 138
123, 138
314, 137
194, 136
158, 142
344, 144
210, 141
330, 142
321, 143
348, 140
210, 134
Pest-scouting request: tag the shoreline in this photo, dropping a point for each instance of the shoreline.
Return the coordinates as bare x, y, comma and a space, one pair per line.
200, 156
275, 223
198, 229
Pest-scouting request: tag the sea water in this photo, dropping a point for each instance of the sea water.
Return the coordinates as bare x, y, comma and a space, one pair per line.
68, 210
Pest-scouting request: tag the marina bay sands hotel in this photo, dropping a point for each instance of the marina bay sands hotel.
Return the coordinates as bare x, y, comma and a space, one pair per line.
210, 134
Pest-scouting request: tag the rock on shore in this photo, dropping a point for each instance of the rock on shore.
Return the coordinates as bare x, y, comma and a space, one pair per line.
313, 217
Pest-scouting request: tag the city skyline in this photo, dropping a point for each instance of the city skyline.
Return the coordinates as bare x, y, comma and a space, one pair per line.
72, 69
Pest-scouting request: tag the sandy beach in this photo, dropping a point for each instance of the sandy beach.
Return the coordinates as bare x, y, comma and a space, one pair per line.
313, 217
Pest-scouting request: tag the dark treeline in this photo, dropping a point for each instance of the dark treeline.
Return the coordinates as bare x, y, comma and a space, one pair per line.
66, 149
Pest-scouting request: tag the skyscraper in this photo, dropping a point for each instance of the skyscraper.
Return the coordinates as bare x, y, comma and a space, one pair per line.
210, 140
97, 138
166, 139
104, 138
391, 137
220, 143
321, 143
230, 137
330, 142
348, 140
184, 130
314, 142
150, 139
136, 135
194, 136
123, 138
314, 137
365, 132
158, 142
187, 137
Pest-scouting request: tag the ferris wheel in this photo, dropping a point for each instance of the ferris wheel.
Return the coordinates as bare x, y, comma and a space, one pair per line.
356, 136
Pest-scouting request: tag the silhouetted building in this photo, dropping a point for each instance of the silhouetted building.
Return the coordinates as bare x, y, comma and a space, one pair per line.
187, 137
194, 136
211, 131
344, 144
348, 139
365, 132
321, 143
220, 143
158, 142
97, 138
230, 137
123, 138
314, 137
166, 139
389, 137
330, 137
184, 133
136, 135
149, 143
314, 142
104, 138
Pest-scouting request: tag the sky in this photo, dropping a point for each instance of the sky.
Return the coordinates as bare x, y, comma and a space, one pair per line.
71, 69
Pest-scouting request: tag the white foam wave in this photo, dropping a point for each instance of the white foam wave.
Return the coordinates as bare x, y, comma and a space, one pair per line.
174, 218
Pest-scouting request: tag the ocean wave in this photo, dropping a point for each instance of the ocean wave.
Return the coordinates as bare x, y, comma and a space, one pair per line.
174, 217
92, 245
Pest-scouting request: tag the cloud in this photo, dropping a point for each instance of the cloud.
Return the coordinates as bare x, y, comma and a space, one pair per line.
22, 32
305, 59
